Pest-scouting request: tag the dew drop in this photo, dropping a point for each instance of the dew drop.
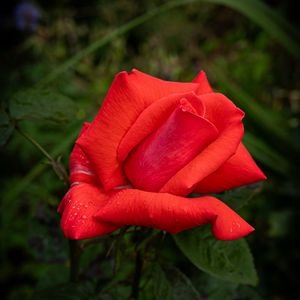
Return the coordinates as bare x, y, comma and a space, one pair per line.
84, 217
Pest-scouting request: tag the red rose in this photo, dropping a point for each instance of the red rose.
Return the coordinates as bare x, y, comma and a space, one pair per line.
152, 143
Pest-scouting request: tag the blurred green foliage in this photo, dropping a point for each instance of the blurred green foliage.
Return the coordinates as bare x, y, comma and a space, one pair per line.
249, 53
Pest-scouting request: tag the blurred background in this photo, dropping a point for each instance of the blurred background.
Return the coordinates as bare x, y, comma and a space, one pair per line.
73, 49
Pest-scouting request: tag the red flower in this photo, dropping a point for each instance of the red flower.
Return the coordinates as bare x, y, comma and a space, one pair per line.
152, 143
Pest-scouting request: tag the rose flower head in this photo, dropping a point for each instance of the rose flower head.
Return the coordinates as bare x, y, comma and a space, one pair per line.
152, 143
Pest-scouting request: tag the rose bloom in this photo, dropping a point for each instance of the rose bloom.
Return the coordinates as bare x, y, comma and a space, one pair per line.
152, 143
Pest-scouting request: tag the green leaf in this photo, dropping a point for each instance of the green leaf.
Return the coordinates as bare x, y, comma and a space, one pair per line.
162, 287
6, 128
239, 197
225, 292
215, 289
171, 284
42, 105
228, 260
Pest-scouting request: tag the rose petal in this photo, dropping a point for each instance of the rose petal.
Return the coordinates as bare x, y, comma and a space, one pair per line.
129, 95
81, 169
181, 137
78, 207
240, 169
152, 118
173, 213
203, 82
221, 112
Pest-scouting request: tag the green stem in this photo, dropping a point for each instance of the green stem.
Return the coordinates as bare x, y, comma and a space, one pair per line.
135, 289
58, 167
62, 174
35, 143
75, 254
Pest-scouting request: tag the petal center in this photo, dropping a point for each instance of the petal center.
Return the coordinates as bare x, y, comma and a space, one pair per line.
175, 143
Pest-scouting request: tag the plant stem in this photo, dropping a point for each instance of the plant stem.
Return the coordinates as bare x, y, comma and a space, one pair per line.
137, 276
62, 174
75, 254
58, 167
35, 143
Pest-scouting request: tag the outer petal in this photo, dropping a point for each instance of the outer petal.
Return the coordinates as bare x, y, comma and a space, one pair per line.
153, 117
173, 213
203, 82
81, 169
228, 119
237, 171
78, 207
181, 137
128, 96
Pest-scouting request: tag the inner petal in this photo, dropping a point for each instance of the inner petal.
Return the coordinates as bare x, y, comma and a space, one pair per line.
174, 144
152, 118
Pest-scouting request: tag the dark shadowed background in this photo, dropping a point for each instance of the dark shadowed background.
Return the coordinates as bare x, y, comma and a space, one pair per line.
251, 54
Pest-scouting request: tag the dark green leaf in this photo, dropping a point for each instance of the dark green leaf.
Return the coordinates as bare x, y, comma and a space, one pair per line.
6, 128
171, 284
228, 260
162, 287
43, 106
215, 289
238, 197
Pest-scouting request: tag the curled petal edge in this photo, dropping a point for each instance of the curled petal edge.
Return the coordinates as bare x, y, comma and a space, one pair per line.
172, 213
88, 212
